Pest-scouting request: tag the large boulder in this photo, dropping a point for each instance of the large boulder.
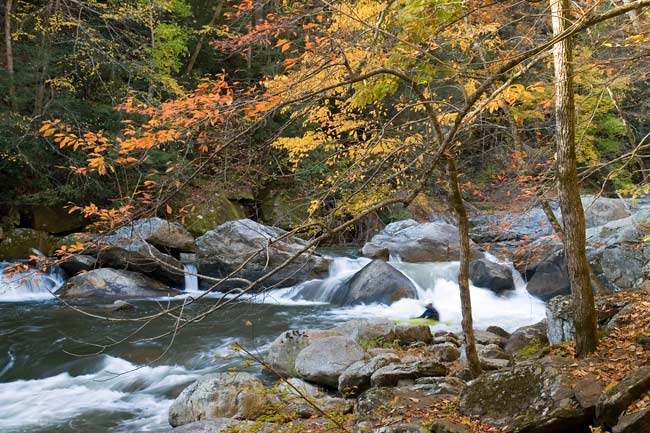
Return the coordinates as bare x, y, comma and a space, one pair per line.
414, 242
159, 232
225, 425
285, 349
368, 332
487, 274
531, 398
602, 210
377, 283
324, 360
527, 339
113, 283
551, 278
257, 249
227, 395
76, 263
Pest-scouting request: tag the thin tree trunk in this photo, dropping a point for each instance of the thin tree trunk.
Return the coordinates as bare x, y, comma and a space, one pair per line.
456, 200
569, 193
201, 41
9, 54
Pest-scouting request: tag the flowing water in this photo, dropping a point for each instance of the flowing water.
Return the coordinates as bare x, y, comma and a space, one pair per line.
53, 380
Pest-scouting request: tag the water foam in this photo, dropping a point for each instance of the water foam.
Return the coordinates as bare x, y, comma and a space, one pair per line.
31, 285
118, 387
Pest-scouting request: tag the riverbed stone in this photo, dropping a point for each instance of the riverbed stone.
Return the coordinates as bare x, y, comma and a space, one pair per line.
485, 338
551, 278
408, 333
229, 246
285, 348
113, 283
324, 360
76, 263
448, 385
444, 352
490, 275
292, 393
225, 425
368, 332
530, 397
220, 395
414, 242
527, 339
356, 378
377, 283
395, 374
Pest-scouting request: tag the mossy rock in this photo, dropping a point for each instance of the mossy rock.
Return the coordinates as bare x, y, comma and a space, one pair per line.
212, 213
285, 209
18, 243
56, 219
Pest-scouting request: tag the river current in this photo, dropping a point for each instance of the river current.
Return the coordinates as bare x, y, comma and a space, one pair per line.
56, 376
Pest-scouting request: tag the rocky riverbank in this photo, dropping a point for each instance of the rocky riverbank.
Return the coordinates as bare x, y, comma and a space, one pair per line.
379, 376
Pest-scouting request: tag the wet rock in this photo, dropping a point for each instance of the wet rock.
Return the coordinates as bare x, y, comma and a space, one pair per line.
617, 399
285, 349
224, 249
113, 283
77, 263
527, 338
324, 360
377, 283
163, 234
530, 397
356, 378
551, 278
487, 274
414, 242
394, 374
120, 306
229, 395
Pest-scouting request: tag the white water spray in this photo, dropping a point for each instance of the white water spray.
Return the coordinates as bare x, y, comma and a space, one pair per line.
30, 285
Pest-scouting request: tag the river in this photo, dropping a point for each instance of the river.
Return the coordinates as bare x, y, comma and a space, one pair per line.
51, 379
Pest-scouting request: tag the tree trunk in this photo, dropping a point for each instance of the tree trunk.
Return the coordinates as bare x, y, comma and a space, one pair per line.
567, 181
9, 55
201, 41
456, 200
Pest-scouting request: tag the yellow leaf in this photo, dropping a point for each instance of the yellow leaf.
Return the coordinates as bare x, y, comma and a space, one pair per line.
248, 323
169, 209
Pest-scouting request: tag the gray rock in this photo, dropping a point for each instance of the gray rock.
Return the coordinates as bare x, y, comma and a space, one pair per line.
526, 397
407, 333
622, 318
356, 378
324, 360
491, 364
622, 266
368, 332
551, 278
636, 422
223, 250
160, 233
377, 283
393, 374
121, 251
492, 351
113, 283
285, 349
401, 428
225, 425
121, 306
293, 393
559, 320
531, 337
487, 274
76, 263
440, 385
221, 395
485, 338
617, 399
497, 330
414, 242
445, 426
444, 352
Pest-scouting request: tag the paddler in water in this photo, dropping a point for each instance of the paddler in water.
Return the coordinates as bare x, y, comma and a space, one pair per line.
430, 313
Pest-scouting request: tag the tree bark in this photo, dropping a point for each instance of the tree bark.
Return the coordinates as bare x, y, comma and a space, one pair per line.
201, 41
568, 188
9, 55
456, 200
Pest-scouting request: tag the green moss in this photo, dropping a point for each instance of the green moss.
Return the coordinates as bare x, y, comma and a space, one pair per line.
212, 213
532, 348
19, 243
